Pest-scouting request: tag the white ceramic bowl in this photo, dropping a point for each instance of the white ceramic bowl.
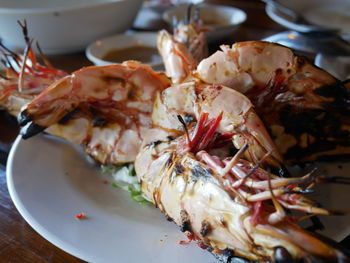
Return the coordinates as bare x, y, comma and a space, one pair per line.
327, 13
96, 51
66, 25
159, 6
223, 19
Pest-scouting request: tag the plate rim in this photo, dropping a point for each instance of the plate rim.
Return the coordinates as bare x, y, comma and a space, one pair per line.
39, 229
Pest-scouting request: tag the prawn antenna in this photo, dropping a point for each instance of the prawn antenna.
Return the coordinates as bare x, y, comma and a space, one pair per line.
21, 75
182, 121
188, 14
13, 54
257, 165
42, 56
24, 30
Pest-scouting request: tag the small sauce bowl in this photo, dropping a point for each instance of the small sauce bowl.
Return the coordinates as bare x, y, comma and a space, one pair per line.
141, 47
222, 21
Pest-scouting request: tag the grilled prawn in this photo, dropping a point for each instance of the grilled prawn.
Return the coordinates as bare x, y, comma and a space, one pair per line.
238, 121
183, 51
107, 109
25, 77
228, 205
226, 212
305, 109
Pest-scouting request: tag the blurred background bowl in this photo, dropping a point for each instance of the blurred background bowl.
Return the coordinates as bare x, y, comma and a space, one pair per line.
224, 20
326, 13
65, 26
140, 46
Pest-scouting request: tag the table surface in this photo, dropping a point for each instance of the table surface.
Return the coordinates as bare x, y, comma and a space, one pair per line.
18, 241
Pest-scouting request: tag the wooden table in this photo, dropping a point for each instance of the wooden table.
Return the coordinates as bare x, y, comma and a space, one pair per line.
18, 241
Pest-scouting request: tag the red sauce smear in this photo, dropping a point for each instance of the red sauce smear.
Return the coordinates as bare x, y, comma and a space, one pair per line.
80, 216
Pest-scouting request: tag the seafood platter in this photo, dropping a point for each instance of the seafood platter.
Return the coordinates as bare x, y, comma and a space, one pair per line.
225, 147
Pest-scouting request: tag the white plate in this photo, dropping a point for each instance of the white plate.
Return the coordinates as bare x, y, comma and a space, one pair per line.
337, 66
333, 196
50, 181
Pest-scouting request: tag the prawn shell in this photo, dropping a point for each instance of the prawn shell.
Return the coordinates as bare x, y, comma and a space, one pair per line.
305, 109
189, 193
107, 109
190, 100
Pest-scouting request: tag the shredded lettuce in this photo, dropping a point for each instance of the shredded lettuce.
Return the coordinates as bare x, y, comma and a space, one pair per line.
124, 177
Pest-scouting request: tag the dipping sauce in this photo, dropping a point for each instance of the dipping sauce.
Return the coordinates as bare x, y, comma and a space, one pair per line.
214, 22
143, 54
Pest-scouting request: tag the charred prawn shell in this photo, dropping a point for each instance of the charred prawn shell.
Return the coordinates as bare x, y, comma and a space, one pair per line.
230, 206
104, 108
312, 133
223, 219
304, 108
